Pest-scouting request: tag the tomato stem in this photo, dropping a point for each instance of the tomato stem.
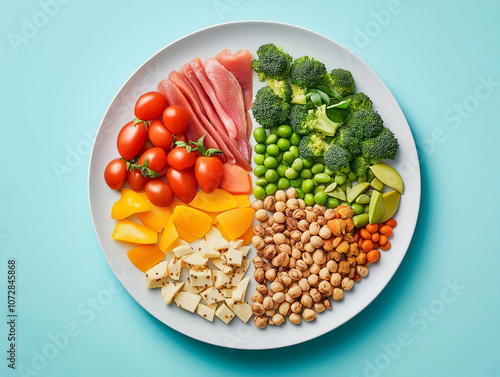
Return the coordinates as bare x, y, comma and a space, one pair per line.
144, 168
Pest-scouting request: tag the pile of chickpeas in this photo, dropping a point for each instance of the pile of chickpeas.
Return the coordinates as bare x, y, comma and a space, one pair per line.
305, 257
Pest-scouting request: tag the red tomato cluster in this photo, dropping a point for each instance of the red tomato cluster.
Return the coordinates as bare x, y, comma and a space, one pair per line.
149, 155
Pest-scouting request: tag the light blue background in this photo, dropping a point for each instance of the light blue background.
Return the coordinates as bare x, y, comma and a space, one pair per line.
57, 86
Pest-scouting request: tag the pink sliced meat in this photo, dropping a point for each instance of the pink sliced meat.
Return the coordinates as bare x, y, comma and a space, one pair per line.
188, 72
240, 65
195, 129
223, 91
186, 88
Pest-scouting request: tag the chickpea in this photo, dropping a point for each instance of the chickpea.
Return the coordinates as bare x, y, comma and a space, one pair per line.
257, 297
261, 288
276, 286
295, 291
319, 257
261, 215
325, 232
257, 204
304, 285
295, 318
269, 203
291, 193
296, 307
270, 312
309, 315
306, 257
362, 271
332, 266
306, 301
347, 284
315, 295
285, 308
260, 321
270, 274
258, 309
338, 294
324, 274
313, 280
336, 279
314, 269
268, 303
278, 319
314, 228
280, 206
325, 288
259, 275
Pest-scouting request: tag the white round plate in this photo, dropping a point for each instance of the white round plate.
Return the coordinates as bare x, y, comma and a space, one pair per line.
205, 43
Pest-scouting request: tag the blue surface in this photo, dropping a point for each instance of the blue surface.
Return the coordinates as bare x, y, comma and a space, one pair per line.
56, 81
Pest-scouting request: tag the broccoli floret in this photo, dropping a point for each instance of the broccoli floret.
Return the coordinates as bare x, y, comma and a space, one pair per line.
298, 95
342, 81
381, 147
337, 159
272, 62
365, 123
347, 138
308, 72
359, 166
304, 121
269, 109
312, 146
359, 101
282, 88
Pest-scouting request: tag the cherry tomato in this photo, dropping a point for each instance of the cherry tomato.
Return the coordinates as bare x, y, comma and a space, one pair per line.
150, 106
136, 180
157, 159
179, 158
159, 135
208, 172
115, 173
147, 145
183, 183
131, 139
175, 119
159, 192
181, 137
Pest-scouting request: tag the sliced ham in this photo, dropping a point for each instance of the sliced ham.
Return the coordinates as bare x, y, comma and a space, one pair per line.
195, 129
188, 72
187, 89
240, 65
225, 97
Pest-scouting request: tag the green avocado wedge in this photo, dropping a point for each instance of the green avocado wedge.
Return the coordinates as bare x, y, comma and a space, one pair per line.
376, 207
391, 204
388, 176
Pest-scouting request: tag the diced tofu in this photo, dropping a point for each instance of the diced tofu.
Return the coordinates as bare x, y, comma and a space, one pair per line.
221, 265
239, 293
233, 257
221, 280
195, 261
182, 250
187, 300
207, 250
169, 290
227, 292
206, 312
243, 311
201, 278
224, 313
244, 250
156, 276
238, 274
212, 295
174, 268
188, 287
237, 244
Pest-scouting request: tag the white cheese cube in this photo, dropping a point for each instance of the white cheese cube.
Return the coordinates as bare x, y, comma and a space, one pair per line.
201, 278
229, 302
244, 250
187, 300
238, 274
195, 261
233, 257
212, 234
207, 250
169, 290
243, 311
206, 312
213, 306
239, 293
174, 268
179, 242
227, 292
182, 250
221, 265
212, 295
237, 244
221, 280
224, 313
220, 244
156, 276
188, 287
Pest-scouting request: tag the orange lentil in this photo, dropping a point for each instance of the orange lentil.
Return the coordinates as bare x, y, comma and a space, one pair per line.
386, 230
375, 237
385, 247
367, 246
382, 240
392, 223
373, 256
372, 228
376, 245
365, 234
360, 243
356, 237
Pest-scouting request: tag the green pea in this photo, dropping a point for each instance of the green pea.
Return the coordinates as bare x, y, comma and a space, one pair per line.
288, 158
281, 169
279, 157
322, 178
300, 193
318, 168
320, 198
283, 183
259, 134
259, 170
271, 139
369, 175
332, 202
261, 181
340, 178
307, 185
260, 148
306, 174
358, 208
347, 204
319, 189
363, 178
352, 176
273, 150
363, 199
259, 192
307, 163
329, 171
285, 131
291, 173
295, 139
295, 151
297, 164
271, 175
259, 159
283, 144
297, 182
270, 162
309, 199
271, 188
274, 130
